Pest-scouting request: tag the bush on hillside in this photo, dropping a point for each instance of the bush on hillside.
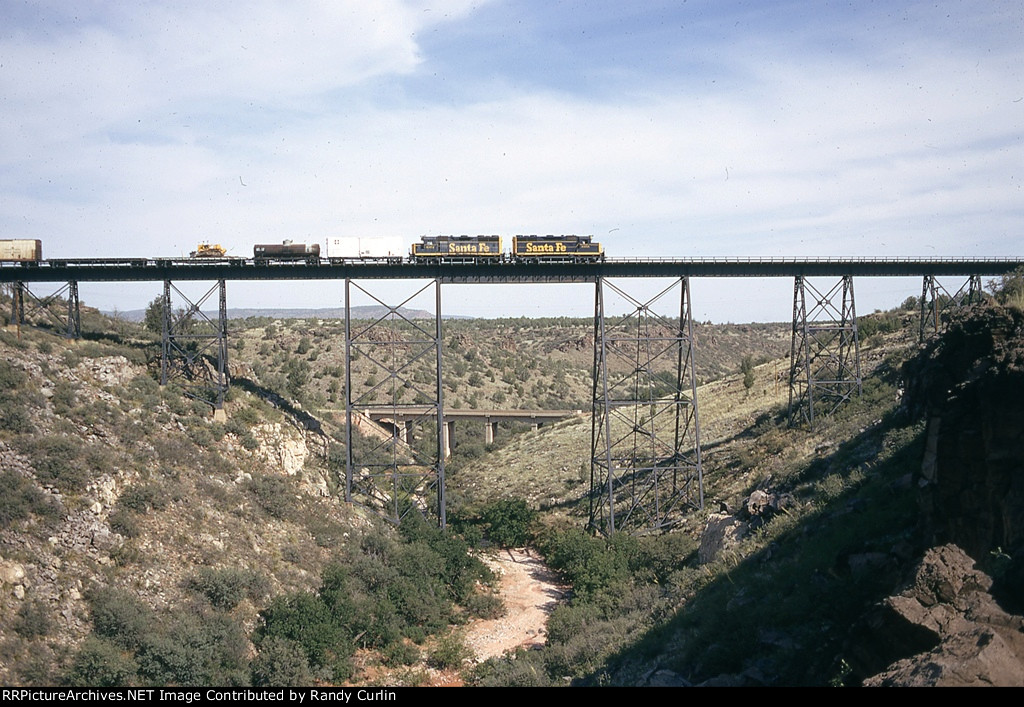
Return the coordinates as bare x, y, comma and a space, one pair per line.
509, 522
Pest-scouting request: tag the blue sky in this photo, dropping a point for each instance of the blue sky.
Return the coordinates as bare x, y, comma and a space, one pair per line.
680, 129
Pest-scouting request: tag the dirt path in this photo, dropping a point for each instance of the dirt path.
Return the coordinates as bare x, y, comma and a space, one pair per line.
530, 591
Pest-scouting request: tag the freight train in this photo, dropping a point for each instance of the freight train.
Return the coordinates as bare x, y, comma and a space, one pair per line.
442, 249
430, 249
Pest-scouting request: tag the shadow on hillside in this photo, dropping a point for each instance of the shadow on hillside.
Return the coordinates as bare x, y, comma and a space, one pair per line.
777, 609
301, 418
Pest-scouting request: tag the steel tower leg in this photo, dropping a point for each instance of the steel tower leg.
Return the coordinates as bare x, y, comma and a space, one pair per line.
399, 377
74, 329
645, 435
48, 307
165, 338
937, 302
824, 369
17, 304
190, 338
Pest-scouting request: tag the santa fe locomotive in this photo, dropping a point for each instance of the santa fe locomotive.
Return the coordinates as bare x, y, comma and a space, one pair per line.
461, 249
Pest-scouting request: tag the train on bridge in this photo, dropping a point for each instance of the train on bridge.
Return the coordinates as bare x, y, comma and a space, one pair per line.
430, 249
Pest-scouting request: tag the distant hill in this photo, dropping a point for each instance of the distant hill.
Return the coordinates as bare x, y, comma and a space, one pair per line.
361, 312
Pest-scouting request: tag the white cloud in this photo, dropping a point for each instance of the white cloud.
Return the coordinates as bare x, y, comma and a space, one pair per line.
151, 130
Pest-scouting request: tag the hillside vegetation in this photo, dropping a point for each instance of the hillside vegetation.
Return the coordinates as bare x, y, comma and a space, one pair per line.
144, 543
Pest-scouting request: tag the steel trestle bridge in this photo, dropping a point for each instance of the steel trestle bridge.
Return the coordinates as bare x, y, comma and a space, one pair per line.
468, 270
645, 439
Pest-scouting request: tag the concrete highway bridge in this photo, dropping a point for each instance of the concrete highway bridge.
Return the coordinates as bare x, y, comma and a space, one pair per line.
401, 419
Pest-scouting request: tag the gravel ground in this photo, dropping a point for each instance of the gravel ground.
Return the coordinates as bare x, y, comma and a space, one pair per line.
530, 591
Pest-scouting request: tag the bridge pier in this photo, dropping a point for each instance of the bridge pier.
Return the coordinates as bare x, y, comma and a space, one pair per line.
397, 474
490, 430
936, 302
188, 339
17, 304
449, 437
824, 368
645, 436
70, 324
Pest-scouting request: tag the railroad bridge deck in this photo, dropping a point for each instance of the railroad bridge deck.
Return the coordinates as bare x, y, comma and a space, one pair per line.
153, 269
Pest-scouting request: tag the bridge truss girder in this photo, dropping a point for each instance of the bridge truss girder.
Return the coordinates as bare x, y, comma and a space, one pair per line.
190, 339
824, 369
70, 323
396, 473
937, 302
645, 436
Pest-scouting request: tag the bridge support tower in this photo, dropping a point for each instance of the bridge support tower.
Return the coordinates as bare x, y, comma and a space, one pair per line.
824, 369
403, 472
937, 302
195, 347
69, 323
645, 436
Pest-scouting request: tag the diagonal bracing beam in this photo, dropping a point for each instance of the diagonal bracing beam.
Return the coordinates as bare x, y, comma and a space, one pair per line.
937, 302
68, 321
824, 367
404, 471
645, 435
194, 346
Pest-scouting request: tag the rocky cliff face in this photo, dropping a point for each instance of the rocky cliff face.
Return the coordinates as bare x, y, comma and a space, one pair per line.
953, 624
969, 386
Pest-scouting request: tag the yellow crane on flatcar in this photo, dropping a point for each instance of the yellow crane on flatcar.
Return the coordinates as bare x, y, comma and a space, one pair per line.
209, 250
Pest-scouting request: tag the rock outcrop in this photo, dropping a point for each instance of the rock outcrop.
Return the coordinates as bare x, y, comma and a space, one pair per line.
946, 616
969, 386
951, 624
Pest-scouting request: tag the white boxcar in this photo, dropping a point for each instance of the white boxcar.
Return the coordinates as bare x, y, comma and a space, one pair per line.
368, 247
21, 250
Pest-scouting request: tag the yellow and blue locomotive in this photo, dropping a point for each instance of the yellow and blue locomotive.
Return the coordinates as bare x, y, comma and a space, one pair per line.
461, 249
556, 248
456, 248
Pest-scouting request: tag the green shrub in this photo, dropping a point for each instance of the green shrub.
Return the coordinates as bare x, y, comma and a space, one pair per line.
509, 522
101, 663
747, 369
58, 460
119, 616
124, 523
194, 649
274, 494
305, 619
226, 588
590, 564
450, 653
484, 605
64, 397
142, 498
21, 499
401, 653
33, 619
281, 663
522, 669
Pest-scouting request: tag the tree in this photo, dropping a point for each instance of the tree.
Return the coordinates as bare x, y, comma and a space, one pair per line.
154, 319
747, 368
1009, 289
509, 522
